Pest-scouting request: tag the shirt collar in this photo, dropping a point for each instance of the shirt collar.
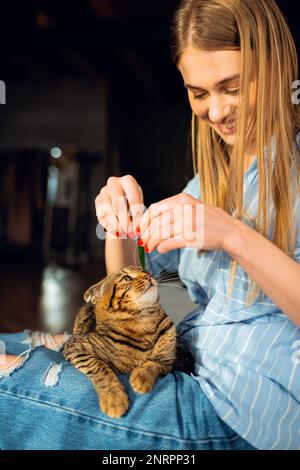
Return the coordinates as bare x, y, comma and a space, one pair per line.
253, 165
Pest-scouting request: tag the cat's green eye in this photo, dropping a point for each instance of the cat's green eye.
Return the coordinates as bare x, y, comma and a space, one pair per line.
126, 278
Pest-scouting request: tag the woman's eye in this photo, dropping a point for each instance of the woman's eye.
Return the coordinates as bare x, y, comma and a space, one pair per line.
230, 91
233, 91
198, 97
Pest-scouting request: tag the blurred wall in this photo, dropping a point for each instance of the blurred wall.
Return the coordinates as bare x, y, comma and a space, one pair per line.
44, 114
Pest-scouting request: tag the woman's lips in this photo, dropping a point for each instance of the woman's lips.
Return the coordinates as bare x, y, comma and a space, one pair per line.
227, 130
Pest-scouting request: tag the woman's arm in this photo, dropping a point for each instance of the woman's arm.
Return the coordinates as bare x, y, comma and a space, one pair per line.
119, 253
271, 269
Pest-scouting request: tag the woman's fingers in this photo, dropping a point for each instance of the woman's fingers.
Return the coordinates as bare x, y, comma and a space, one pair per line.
180, 216
119, 205
105, 213
166, 211
162, 227
119, 208
135, 201
174, 203
148, 223
170, 244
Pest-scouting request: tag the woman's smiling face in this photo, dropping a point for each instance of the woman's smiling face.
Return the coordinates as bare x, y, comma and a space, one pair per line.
212, 79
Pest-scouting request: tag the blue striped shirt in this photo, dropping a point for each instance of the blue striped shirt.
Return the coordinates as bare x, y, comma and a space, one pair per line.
247, 359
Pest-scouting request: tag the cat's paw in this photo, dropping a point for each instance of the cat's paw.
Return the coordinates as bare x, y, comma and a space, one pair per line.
114, 402
141, 380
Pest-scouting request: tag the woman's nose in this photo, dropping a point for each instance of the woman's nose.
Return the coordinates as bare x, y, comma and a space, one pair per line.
218, 110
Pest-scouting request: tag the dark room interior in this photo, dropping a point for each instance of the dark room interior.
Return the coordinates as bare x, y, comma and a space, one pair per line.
91, 92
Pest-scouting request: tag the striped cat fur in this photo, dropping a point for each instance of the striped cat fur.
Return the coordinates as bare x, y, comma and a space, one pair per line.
122, 328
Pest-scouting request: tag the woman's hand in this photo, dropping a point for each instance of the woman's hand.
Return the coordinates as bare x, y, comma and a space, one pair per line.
119, 205
183, 221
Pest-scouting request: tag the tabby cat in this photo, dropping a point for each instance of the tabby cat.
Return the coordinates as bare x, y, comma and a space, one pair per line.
122, 327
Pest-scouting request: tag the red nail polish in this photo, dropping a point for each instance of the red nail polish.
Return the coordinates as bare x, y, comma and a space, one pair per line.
146, 249
117, 234
140, 242
138, 230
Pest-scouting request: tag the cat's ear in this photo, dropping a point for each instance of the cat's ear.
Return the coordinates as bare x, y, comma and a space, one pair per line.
94, 293
103, 290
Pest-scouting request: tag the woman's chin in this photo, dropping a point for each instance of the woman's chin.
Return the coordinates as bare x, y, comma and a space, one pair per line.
229, 139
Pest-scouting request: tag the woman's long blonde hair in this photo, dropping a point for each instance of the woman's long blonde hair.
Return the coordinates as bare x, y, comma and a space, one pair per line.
259, 30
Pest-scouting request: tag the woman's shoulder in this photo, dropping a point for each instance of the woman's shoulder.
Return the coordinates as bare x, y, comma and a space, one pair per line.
193, 187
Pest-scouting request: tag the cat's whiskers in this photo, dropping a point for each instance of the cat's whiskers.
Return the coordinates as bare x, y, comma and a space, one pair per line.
171, 285
163, 275
166, 274
168, 278
171, 279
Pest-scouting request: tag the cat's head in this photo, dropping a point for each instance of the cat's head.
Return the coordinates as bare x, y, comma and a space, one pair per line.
129, 289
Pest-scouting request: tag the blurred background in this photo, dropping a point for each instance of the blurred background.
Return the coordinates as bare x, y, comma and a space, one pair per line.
91, 92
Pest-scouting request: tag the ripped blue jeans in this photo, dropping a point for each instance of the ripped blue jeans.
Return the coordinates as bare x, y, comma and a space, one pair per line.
45, 403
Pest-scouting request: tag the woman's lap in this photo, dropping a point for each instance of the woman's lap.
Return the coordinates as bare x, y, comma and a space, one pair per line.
34, 415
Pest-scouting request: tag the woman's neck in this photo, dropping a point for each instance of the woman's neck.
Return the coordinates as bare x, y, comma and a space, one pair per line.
250, 155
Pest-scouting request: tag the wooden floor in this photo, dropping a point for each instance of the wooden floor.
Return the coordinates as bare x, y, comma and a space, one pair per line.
37, 297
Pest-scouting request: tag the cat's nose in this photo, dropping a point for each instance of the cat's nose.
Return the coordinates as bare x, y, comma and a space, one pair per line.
151, 279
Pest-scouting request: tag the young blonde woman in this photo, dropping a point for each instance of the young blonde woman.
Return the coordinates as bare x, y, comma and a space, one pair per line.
238, 63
